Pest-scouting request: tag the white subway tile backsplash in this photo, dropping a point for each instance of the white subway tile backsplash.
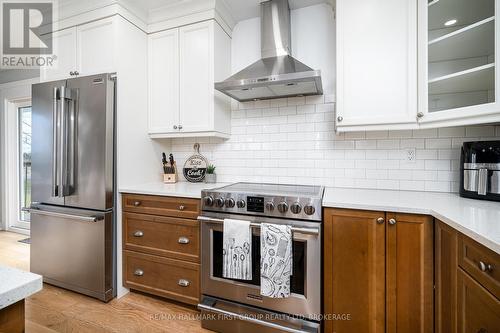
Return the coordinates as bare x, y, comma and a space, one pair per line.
483, 131
293, 141
437, 143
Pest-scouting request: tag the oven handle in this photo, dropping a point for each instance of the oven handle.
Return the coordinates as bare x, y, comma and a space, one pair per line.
248, 319
307, 231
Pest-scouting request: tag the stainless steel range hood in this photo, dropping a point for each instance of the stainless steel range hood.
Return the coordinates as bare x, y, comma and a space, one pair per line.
277, 74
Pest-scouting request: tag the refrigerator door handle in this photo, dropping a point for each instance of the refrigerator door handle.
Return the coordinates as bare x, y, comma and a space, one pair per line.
55, 132
66, 216
72, 141
62, 144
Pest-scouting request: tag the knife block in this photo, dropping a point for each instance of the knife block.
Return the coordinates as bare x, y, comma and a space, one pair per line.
170, 178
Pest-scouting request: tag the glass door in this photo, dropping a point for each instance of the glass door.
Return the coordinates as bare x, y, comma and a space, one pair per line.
24, 116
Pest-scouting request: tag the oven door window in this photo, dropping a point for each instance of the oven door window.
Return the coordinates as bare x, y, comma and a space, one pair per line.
297, 280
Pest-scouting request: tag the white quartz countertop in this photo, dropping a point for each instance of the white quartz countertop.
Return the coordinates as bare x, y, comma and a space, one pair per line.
478, 219
16, 285
180, 189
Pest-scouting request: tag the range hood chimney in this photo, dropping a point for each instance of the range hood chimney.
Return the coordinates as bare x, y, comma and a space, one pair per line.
277, 74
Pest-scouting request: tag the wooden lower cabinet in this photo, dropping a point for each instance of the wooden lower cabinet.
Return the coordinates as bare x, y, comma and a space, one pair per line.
161, 246
445, 278
174, 279
409, 273
478, 309
467, 284
378, 272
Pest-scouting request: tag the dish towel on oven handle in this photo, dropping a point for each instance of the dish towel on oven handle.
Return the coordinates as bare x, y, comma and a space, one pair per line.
237, 250
276, 260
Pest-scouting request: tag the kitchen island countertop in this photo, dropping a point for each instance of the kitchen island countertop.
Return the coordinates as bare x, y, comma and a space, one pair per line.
16, 285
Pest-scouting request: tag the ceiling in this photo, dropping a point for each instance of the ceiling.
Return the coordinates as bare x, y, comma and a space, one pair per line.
239, 9
245, 9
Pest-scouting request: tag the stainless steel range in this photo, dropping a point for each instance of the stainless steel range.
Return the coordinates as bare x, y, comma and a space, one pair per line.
230, 305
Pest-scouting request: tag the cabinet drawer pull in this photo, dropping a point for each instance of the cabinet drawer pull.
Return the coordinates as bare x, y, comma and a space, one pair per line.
183, 283
380, 220
138, 233
182, 207
183, 240
139, 272
392, 221
485, 267
137, 203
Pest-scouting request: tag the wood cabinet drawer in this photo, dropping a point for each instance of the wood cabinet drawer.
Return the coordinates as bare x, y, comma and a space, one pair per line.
480, 262
478, 310
164, 236
174, 279
158, 205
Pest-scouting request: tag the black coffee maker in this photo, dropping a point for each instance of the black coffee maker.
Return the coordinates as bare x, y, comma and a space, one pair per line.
480, 170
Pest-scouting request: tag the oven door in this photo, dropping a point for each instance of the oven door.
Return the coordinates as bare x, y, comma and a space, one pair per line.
305, 298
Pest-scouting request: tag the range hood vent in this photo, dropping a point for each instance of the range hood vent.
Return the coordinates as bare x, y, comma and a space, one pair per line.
277, 74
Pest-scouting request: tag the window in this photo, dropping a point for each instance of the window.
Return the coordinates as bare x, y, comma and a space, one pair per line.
24, 116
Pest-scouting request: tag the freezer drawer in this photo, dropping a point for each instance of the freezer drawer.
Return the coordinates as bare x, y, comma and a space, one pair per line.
73, 249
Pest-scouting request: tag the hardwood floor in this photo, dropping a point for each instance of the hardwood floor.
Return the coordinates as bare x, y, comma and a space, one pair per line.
58, 310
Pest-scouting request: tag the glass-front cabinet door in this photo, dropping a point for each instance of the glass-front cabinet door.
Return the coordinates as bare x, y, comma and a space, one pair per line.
458, 76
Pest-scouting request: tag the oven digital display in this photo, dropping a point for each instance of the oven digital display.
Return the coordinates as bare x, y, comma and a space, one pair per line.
255, 204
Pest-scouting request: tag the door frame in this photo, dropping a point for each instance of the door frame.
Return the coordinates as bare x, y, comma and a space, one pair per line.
10, 94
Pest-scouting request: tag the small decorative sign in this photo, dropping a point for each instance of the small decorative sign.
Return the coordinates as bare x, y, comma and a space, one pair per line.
195, 167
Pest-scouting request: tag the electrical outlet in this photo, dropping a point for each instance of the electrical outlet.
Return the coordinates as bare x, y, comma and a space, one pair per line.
411, 155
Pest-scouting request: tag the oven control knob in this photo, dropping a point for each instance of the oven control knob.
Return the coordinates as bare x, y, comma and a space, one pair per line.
283, 207
209, 200
219, 202
240, 203
309, 210
295, 208
230, 203
270, 206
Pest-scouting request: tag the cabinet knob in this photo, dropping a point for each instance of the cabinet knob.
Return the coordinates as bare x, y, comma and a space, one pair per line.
137, 203
183, 240
175, 126
340, 118
485, 267
183, 283
482, 330
380, 220
138, 233
392, 221
71, 73
139, 272
180, 127
420, 114
76, 73
182, 207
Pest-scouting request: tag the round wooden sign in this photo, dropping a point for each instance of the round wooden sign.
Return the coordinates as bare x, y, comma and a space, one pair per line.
195, 167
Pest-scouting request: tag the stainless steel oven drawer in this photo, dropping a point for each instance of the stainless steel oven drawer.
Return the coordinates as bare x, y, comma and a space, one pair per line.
228, 317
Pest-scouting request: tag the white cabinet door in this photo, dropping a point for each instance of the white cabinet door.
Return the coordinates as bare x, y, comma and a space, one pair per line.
163, 67
458, 75
96, 47
64, 43
376, 64
196, 77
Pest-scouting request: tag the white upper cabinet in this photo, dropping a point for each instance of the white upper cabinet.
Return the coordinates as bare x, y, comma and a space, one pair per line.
458, 77
95, 45
64, 43
376, 64
197, 77
163, 87
83, 50
183, 66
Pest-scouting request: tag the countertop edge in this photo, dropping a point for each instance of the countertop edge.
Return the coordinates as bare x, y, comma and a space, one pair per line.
21, 292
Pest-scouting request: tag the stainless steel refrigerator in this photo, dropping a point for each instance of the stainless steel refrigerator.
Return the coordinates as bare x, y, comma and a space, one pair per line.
73, 184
